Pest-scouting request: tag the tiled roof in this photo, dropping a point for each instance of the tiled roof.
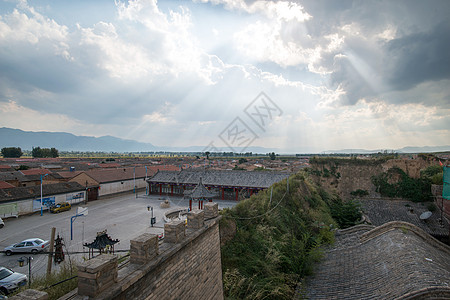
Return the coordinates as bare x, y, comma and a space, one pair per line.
13, 176
262, 179
199, 192
4, 168
18, 193
109, 165
5, 185
101, 241
390, 265
380, 212
69, 174
112, 175
35, 172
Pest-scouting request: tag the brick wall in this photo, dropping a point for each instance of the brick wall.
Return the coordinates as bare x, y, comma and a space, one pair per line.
186, 265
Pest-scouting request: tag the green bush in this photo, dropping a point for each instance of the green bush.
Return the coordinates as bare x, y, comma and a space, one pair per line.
277, 241
346, 213
359, 193
417, 190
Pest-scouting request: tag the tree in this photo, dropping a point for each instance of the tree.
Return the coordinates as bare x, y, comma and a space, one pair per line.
39, 152
272, 156
36, 152
207, 153
54, 152
12, 152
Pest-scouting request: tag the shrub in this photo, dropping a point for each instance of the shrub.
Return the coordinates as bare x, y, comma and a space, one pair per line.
277, 241
346, 213
359, 193
417, 190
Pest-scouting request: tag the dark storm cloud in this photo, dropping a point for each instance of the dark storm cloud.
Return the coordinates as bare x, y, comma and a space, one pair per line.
368, 65
419, 57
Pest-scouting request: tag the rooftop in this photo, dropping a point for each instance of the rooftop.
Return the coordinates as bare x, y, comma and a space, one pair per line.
380, 263
381, 211
263, 179
19, 193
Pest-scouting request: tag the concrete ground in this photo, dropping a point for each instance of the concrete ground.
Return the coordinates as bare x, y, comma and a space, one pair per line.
124, 217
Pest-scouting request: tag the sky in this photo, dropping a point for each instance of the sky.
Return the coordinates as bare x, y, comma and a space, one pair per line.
296, 76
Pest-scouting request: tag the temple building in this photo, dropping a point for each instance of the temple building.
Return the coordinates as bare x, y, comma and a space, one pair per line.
225, 185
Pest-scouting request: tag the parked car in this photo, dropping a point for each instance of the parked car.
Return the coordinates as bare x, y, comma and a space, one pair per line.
63, 206
1, 223
34, 246
11, 281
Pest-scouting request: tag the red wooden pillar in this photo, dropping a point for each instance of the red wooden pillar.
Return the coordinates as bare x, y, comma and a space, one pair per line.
251, 192
171, 190
199, 204
160, 189
190, 204
237, 194
223, 193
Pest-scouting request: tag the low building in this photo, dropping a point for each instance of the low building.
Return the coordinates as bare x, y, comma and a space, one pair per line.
18, 201
232, 185
109, 181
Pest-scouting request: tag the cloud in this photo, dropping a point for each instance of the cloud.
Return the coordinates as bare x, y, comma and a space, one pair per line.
419, 57
341, 73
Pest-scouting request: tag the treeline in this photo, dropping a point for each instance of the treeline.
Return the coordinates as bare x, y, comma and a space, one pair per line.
37, 152
12, 152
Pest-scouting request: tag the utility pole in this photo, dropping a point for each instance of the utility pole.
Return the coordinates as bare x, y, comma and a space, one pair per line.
50, 254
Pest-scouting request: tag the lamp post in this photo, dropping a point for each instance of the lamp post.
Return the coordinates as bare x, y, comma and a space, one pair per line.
42, 176
22, 262
152, 219
134, 182
146, 184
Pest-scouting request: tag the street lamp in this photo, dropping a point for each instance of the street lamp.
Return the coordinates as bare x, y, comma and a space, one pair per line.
21, 264
153, 219
42, 176
146, 184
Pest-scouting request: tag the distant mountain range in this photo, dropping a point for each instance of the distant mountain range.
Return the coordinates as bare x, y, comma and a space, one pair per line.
64, 141
424, 149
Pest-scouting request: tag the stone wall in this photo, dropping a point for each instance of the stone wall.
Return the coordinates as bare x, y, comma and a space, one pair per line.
349, 176
187, 265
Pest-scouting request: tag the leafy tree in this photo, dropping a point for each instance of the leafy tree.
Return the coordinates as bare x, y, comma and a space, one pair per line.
12, 152
242, 160
272, 156
36, 152
207, 153
54, 152
39, 152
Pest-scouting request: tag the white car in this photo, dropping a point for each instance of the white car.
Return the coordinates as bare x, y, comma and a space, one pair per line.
11, 281
34, 246
1, 223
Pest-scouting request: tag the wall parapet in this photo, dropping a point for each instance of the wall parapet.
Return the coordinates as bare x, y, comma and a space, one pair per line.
433, 292
355, 228
186, 264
